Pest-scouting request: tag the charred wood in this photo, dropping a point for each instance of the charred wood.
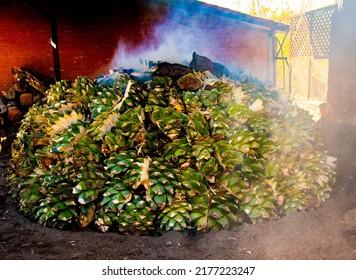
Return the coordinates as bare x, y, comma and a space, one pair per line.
172, 70
202, 64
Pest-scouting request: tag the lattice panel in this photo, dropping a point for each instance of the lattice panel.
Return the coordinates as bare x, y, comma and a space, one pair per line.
310, 33
300, 35
320, 29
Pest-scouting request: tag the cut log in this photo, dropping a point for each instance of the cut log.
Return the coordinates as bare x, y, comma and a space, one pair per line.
20, 74
26, 100
14, 114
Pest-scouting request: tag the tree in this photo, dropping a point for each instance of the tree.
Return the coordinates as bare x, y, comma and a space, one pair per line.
276, 9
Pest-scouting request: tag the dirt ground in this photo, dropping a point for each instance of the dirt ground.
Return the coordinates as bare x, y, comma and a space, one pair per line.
328, 232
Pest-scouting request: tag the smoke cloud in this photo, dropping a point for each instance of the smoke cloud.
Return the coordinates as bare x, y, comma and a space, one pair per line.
173, 47
189, 27
174, 39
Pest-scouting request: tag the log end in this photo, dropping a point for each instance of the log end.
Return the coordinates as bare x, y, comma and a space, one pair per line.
26, 100
14, 115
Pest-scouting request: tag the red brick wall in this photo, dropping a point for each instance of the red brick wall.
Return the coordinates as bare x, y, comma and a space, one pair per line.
23, 41
89, 35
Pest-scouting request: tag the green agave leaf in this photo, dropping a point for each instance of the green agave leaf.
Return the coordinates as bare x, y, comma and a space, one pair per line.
67, 215
223, 222
255, 213
216, 213
196, 215
201, 223
87, 196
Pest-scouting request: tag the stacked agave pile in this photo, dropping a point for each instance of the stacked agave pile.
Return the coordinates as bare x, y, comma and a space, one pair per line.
148, 157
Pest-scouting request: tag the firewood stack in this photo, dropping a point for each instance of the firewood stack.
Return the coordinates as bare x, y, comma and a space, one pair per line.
14, 103
25, 91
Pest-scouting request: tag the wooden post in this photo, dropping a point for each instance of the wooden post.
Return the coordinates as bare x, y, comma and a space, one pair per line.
309, 77
54, 41
51, 16
274, 58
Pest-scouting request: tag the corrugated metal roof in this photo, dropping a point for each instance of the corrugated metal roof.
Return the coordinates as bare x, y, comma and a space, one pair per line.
209, 9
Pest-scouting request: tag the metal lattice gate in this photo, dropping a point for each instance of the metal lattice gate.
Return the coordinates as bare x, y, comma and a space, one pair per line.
309, 53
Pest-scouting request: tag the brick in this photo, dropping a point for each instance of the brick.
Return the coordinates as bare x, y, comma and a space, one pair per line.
40, 43
41, 32
11, 45
17, 33
8, 38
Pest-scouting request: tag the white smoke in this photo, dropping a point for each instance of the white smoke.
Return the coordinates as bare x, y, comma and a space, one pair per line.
174, 40
173, 46
184, 29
